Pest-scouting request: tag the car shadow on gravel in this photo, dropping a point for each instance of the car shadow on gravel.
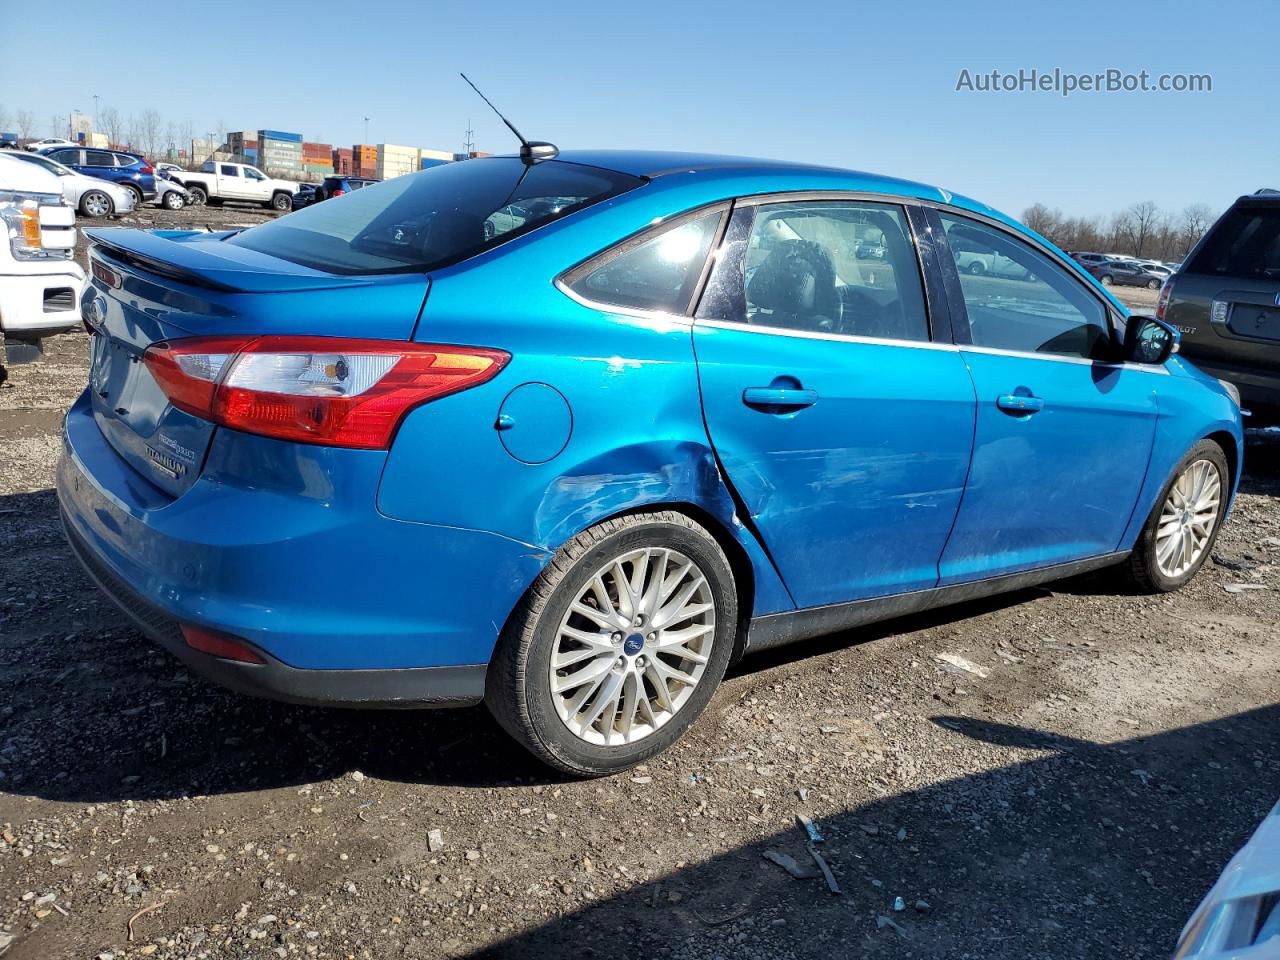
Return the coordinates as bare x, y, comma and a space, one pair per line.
1080, 850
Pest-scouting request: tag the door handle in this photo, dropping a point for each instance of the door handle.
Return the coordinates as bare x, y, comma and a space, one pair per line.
779, 397
1016, 403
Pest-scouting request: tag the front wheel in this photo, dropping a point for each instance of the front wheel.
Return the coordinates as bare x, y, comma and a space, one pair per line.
1153, 284
618, 646
1181, 530
976, 268
199, 196
282, 202
1106, 280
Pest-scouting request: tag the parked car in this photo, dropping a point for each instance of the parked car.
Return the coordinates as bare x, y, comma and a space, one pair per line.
598, 463
170, 167
91, 196
49, 143
338, 184
1125, 273
170, 193
1225, 299
127, 169
40, 283
8, 141
1242, 910
304, 195
1090, 259
219, 181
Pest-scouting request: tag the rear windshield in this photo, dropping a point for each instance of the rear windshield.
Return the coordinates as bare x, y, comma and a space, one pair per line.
1245, 243
436, 217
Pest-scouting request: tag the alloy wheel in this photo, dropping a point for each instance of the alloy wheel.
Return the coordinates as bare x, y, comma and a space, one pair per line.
632, 647
96, 204
1188, 518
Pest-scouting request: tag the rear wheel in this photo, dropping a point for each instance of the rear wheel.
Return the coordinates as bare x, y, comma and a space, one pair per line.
173, 200
95, 203
1183, 527
977, 268
137, 196
618, 646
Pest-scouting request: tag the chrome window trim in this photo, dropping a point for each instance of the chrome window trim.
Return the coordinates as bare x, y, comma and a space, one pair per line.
818, 335
1157, 368
615, 310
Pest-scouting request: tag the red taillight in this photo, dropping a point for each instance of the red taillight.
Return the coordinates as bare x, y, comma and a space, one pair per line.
147, 168
338, 193
1163, 303
218, 644
324, 390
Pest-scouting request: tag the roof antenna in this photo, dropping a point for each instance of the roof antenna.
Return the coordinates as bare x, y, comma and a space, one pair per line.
531, 151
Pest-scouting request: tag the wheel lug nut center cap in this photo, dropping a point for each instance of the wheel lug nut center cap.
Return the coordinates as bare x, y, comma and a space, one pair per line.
633, 644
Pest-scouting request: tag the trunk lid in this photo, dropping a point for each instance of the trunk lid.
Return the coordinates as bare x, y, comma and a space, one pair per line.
147, 287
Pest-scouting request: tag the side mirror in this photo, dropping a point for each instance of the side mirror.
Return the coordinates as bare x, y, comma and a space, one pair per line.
1148, 340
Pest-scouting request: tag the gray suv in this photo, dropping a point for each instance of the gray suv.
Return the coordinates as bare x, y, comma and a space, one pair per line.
1225, 299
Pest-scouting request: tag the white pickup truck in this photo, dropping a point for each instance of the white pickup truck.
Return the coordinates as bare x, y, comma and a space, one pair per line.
40, 282
218, 181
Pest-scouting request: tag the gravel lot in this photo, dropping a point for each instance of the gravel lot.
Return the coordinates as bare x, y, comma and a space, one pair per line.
1074, 802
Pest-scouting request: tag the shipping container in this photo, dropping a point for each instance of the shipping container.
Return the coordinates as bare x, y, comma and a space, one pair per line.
280, 135
426, 162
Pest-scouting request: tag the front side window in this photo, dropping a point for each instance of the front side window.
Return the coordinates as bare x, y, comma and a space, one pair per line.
1018, 299
842, 267
654, 272
433, 218
252, 174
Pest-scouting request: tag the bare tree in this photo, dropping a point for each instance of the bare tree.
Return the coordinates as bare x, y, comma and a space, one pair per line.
1144, 220
58, 126
112, 125
4, 117
26, 123
1042, 220
1195, 221
147, 131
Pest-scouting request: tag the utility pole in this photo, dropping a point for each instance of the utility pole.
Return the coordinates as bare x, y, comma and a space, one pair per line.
95, 113
71, 129
468, 140
366, 132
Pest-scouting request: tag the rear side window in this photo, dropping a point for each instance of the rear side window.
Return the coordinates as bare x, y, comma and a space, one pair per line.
98, 158
124, 160
226, 170
832, 266
654, 272
434, 218
1245, 243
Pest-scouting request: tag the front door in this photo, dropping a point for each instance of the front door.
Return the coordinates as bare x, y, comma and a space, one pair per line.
844, 429
1063, 434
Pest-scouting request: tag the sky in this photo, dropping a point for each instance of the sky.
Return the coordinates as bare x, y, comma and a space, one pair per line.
869, 86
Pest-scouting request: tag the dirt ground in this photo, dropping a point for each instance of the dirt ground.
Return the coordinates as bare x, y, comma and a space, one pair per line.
1075, 802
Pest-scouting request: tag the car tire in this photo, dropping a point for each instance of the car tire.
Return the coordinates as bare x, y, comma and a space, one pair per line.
628, 666
976, 268
199, 197
1153, 284
1105, 280
282, 202
96, 204
138, 199
173, 200
1148, 569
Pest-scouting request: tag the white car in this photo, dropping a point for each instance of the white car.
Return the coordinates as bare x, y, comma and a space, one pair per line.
218, 181
50, 142
92, 196
40, 283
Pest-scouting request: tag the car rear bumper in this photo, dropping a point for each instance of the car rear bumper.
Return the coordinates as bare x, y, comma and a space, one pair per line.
345, 605
1258, 389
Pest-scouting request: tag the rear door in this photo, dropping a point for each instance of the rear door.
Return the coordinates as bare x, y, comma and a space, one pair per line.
1063, 435
102, 164
843, 426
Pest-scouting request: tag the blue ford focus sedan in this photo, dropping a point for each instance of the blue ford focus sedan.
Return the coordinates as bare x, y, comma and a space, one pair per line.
568, 436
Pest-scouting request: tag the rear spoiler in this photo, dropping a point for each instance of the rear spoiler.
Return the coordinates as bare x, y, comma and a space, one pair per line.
200, 259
